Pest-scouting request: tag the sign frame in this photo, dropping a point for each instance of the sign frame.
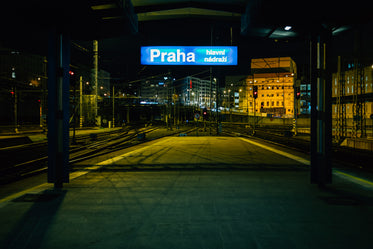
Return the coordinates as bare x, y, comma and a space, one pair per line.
189, 55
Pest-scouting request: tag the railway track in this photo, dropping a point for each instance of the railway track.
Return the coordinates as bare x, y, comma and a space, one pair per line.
341, 156
27, 160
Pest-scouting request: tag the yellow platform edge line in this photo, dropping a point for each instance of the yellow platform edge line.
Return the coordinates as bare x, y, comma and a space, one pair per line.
285, 154
356, 179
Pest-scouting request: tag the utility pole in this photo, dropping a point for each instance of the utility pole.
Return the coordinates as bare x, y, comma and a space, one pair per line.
113, 108
15, 110
73, 141
295, 104
254, 126
81, 101
210, 116
95, 77
217, 107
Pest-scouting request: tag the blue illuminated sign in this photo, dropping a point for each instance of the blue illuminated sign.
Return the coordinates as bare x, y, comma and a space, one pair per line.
189, 55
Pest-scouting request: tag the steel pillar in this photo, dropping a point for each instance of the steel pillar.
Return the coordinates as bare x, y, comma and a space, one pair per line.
321, 118
58, 108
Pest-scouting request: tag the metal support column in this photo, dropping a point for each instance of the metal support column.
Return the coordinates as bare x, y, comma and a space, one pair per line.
321, 120
58, 108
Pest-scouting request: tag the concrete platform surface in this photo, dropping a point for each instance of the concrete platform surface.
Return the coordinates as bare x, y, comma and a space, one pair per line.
196, 208
189, 209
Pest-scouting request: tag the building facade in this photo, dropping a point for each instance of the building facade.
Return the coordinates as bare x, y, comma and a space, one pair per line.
198, 92
275, 79
154, 91
345, 86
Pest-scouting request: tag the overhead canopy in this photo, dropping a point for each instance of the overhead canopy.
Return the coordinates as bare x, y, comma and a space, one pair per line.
92, 19
176, 9
261, 18
82, 19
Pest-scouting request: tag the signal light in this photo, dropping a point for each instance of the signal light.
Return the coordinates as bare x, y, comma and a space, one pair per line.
297, 92
255, 92
204, 114
71, 73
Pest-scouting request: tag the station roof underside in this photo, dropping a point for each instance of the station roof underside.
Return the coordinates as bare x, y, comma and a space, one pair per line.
94, 19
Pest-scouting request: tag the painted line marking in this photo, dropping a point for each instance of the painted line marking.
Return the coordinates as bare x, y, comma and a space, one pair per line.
296, 158
37, 189
360, 181
355, 179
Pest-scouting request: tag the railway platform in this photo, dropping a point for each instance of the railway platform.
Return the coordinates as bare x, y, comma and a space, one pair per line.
195, 201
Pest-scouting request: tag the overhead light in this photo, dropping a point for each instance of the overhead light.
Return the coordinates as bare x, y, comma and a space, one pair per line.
104, 6
287, 28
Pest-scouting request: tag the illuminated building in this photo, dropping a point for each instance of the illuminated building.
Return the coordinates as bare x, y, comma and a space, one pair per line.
345, 86
197, 92
352, 110
275, 79
154, 91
